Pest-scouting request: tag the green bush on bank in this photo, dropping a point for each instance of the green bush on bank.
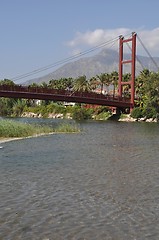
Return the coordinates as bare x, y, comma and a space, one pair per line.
102, 116
44, 110
80, 113
137, 113
102, 113
149, 112
77, 112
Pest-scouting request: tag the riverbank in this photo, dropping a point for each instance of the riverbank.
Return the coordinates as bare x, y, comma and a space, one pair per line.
4, 140
128, 118
102, 117
11, 130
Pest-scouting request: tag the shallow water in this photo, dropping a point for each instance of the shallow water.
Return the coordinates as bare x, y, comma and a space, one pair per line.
100, 184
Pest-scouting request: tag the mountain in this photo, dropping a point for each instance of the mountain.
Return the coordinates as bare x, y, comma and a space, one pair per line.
105, 61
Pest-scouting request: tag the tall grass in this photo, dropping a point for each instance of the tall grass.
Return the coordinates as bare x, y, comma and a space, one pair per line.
10, 128
67, 128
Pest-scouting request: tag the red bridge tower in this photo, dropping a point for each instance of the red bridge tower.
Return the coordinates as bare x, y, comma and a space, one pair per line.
131, 61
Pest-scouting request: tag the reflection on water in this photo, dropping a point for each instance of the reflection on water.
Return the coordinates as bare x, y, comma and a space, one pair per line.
100, 184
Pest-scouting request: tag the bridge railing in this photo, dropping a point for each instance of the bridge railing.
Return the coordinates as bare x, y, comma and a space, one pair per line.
70, 93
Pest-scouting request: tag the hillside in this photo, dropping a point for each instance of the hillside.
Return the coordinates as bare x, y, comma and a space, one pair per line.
105, 61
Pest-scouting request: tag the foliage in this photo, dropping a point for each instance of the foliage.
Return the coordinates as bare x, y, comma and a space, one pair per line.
56, 108
81, 84
102, 116
80, 113
9, 128
63, 83
44, 110
102, 113
103, 80
147, 93
6, 82
6, 106
101, 109
137, 113
150, 112
18, 107
67, 128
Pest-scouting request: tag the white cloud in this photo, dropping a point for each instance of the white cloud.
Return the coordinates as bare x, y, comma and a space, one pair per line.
92, 38
150, 39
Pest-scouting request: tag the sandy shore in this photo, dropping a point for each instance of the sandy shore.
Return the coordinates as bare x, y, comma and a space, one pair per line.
3, 140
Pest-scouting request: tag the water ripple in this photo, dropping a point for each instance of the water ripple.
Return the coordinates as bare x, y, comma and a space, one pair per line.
100, 184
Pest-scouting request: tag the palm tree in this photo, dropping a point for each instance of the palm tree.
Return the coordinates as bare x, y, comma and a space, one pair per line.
44, 85
19, 106
7, 82
53, 84
126, 88
81, 84
103, 80
114, 76
33, 85
67, 83
93, 83
61, 84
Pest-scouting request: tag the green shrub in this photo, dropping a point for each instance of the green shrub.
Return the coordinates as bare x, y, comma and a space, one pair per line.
150, 112
137, 113
81, 113
102, 116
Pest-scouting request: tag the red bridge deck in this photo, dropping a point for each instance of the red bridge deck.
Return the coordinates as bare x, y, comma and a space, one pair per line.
18, 91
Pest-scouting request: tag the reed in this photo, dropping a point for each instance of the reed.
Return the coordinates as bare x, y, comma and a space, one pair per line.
67, 128
10, 128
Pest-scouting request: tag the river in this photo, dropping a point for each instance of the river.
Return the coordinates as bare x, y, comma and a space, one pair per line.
100, 184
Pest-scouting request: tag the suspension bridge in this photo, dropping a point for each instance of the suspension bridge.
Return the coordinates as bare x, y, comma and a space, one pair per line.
117, 101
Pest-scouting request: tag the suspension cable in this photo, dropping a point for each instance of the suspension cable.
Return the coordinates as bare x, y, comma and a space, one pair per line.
64, 60
136, 57
154, 62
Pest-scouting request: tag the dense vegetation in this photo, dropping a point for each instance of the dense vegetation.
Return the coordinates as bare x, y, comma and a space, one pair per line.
146, 105
147, 95
10, 128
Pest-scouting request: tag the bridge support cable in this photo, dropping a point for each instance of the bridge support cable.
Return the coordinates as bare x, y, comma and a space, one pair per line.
152, 59
131, 61
143, 67
66, 60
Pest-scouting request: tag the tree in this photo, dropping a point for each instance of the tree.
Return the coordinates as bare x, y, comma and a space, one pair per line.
6, 105
43, 85
114, 77
103, 80
34, 85
7, 82
18, 107
61, 84
81, 84
93, 83
126, 87
147, 93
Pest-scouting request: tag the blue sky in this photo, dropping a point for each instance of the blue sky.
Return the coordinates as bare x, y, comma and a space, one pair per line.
36, 33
